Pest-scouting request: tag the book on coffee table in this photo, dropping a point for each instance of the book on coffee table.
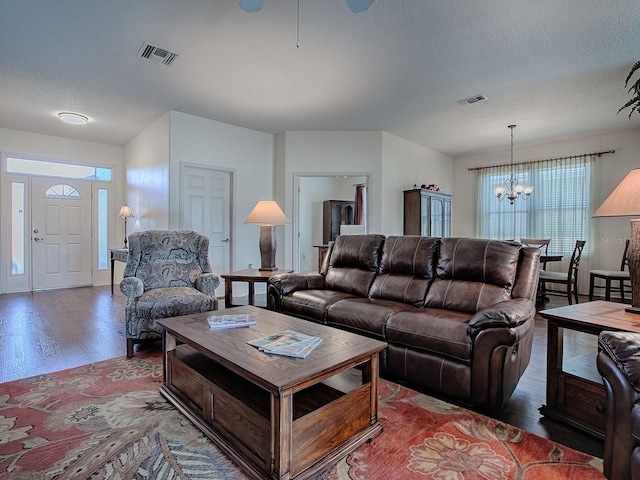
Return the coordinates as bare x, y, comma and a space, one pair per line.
288, 343
230, 321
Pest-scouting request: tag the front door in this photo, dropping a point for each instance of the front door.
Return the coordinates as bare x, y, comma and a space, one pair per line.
206, 209
60, 233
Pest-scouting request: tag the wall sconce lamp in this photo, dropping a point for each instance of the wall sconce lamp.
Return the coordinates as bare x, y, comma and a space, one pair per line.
267, 214
125, 212
625, 201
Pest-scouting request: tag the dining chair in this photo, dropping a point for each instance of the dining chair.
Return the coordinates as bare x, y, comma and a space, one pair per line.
621, 276
569, 279
541, 243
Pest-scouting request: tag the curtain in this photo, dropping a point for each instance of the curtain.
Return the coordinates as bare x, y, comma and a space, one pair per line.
361, 204
559, 208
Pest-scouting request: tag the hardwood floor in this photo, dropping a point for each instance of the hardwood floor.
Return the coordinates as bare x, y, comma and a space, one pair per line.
43, 332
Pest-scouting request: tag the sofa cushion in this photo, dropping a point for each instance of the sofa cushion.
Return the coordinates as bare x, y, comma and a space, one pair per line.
472, 274
354, 263
434, 330
406, 269
367, 316
311, 304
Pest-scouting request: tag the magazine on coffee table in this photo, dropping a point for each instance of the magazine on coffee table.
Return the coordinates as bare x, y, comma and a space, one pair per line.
288, 343
230, 321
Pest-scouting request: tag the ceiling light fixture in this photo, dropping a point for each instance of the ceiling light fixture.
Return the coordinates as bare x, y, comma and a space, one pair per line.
73, 118
511, 188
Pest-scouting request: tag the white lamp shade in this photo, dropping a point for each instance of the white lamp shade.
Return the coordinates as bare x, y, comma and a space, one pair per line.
125, 212
267, 212
625, 198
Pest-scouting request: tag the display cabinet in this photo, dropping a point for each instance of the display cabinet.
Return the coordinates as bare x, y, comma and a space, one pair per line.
427, 213
334, 214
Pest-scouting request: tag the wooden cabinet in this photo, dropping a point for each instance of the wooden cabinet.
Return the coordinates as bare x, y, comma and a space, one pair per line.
334, 214
427, 213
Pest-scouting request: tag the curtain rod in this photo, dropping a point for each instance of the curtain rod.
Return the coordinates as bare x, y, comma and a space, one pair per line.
531, 162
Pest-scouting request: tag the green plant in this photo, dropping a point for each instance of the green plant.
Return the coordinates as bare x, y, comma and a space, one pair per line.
634, 89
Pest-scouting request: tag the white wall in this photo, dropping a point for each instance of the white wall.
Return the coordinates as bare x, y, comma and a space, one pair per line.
46, 147
248, 154
390, 162
608, 234
147, 177
405, 164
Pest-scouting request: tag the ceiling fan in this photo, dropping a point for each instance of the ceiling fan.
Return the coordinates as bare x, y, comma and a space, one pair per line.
356, 6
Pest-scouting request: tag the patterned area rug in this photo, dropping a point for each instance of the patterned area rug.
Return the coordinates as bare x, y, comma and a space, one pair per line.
107, 420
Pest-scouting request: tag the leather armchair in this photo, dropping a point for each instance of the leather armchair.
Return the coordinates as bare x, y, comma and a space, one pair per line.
167, 274
619, 364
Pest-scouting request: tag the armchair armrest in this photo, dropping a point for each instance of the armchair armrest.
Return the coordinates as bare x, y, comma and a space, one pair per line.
507, 314
287, 283
132, 287
207, 283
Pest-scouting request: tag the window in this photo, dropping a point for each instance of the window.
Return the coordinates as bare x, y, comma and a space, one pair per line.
62, 190
559, 208
54, 169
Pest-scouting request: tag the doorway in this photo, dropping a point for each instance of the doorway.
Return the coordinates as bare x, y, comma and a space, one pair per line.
61, 233
312, 191
206, 209
58, 224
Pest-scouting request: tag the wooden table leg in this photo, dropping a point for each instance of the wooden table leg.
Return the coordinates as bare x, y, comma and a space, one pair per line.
228, 294
112, 263
252, 293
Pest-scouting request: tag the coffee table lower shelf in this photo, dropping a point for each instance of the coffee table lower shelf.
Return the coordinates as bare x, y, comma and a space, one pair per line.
289, 435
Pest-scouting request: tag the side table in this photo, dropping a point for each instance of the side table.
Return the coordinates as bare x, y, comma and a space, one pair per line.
579, 398
117, 255
249, 275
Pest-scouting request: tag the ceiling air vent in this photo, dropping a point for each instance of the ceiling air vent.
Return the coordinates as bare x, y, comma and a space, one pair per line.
157, 54
474, 99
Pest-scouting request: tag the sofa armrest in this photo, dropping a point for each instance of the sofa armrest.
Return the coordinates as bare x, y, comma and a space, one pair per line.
287, 283
132, 287
508, 314
207, 283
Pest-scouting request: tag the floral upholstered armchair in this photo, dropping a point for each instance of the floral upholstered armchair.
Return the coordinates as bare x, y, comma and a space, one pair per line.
167, 274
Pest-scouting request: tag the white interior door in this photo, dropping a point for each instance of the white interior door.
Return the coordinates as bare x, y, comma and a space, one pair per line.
60, 233
206, 209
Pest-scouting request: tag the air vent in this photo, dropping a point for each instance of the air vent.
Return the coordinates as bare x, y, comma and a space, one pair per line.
474, 99
157, 54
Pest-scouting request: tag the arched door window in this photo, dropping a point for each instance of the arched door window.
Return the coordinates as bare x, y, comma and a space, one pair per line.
62, 190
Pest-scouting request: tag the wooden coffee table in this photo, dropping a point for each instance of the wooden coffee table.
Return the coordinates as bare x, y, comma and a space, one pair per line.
277, 417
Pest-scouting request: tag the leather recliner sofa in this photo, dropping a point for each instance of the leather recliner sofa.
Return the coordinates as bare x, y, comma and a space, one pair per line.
457, 313
619, 364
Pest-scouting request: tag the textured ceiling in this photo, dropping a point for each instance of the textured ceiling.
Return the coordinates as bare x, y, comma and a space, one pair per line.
554, 68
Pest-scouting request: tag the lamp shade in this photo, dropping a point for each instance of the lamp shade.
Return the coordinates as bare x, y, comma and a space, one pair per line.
267, 212
625, 199
125, 212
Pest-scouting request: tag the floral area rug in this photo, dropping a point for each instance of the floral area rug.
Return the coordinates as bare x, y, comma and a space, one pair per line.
107, 420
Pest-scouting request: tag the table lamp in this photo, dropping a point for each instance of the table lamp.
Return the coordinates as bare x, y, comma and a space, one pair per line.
267, 214
125, 212
625, 201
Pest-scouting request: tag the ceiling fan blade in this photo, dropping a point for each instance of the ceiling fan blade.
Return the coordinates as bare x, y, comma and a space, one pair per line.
357, 6
251, 5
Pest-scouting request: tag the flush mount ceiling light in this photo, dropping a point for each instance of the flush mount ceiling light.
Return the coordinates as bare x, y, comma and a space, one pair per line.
356, 6
73, 118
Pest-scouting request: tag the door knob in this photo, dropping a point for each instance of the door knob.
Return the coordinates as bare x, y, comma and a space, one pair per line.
226, 240
37, 239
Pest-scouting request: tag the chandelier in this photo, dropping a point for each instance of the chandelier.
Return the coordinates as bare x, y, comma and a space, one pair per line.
511, 188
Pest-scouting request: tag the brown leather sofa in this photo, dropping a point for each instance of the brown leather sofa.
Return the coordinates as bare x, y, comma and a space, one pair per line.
457, 313
619, 364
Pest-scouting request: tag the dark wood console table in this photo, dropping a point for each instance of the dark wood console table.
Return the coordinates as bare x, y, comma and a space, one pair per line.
117, 255
579, 398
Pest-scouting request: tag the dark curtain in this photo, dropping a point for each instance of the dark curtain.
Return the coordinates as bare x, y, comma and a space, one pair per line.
361, 204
